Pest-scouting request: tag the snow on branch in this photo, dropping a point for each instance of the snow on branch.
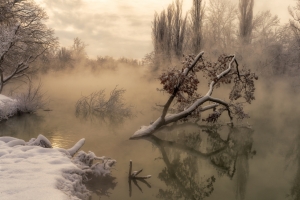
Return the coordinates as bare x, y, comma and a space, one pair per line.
182, 85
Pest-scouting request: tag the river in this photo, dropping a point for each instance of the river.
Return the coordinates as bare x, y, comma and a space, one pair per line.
185, 161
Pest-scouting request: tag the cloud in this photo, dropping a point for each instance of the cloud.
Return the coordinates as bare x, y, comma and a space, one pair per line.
63, 4
116, 27
119, 24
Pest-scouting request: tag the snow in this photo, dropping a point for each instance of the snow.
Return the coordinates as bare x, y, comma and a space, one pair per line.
8, 107
30, 172
72, 151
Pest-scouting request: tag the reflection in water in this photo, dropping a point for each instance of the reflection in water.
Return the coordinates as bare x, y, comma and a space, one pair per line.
136, 183
24, 125
243, 148
59, 139
183, 152
101, 185
27, 126
133, 176
294, 156
96, 107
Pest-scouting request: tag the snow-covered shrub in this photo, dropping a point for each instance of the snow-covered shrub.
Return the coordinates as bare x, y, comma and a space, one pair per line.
8, 107
26, 102
97, 106
85, 162
31, 100
72, 184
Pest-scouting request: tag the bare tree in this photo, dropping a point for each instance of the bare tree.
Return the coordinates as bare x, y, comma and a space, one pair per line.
168, 34
264, 27
246, 20
7, 12
161, 35
23, 38
78, 49
196, 24
295, 21
182, 86
179, 28
220, 25
65, 58
266, 39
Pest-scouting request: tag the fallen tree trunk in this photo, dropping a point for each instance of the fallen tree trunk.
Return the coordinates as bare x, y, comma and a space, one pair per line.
235, 77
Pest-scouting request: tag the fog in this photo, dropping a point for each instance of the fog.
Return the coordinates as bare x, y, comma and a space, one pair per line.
273, 116
120, 45
119, 28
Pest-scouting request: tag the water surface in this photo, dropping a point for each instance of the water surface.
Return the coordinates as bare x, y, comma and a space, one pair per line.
186, 161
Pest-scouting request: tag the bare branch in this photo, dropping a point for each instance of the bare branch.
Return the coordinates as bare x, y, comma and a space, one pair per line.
226, 105
185, 73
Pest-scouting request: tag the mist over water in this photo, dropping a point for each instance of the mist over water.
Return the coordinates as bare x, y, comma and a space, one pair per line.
265, 160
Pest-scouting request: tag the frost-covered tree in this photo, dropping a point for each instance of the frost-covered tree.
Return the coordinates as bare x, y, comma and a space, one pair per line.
23, 37
78, 49
220, 25
264, 28
246, 20
182, 86
196, 25
295, 21
168, 34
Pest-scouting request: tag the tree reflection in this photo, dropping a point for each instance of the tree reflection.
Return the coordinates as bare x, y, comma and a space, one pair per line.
97, 108
294, 156
184, 151
24, 125
101, 185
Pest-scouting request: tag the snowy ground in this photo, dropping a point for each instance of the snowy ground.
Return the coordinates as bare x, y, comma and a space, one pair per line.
8, 107
31, 172
34, 172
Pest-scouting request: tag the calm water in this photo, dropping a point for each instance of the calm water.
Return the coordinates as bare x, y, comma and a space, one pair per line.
185, 161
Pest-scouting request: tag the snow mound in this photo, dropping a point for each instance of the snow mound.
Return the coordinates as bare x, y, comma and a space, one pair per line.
35, 170
8, 107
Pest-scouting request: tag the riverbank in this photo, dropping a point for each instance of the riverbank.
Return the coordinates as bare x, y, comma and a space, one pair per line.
8, 107
35, 170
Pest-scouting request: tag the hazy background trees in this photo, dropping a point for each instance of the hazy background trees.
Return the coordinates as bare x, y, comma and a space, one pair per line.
220, 26
295, 20
196, 25
246, 20
216, 26
168, 34
259, 40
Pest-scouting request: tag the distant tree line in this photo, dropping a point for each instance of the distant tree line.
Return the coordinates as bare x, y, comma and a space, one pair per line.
221, 26
28, 46
75, 57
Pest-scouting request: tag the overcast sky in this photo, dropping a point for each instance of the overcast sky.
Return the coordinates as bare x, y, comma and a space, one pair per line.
121, 28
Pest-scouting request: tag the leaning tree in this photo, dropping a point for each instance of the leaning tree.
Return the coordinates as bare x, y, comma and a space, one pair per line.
182, 85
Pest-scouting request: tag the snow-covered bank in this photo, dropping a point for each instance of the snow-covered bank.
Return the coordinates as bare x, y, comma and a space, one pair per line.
34, 172
8, 107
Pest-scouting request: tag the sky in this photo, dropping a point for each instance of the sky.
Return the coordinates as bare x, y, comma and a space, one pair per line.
120, 28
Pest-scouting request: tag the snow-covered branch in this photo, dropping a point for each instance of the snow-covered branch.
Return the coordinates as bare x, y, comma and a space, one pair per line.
176, 89
178, 83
